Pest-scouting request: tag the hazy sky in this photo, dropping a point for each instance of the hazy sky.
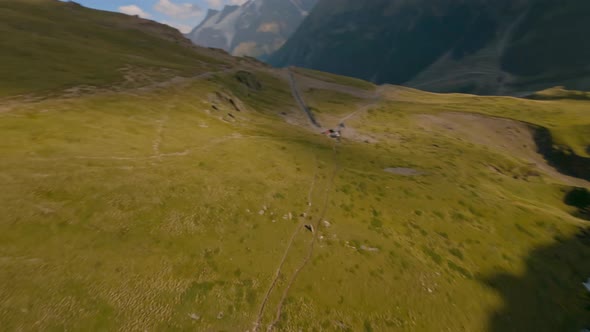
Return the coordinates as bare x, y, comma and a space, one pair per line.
181, 14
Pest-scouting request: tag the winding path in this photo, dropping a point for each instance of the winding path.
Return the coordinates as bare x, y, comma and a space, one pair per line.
299, 100
286, 253
312, 243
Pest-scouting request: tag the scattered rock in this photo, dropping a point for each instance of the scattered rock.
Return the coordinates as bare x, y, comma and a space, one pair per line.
290, 216
194, 316
347, 244
309, 228
274, 220
587, 284
220, 315
327, 223
261, 212
370, 249
303, 215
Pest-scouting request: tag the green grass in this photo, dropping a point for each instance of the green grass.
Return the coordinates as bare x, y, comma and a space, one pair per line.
568, 120
134, 236
560, 93
154, 210
87, 47
337, 79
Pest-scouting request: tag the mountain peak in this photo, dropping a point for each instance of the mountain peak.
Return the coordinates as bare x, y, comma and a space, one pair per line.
256, 28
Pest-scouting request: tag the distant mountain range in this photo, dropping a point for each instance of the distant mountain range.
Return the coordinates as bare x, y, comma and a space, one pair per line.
256, 28
476, 46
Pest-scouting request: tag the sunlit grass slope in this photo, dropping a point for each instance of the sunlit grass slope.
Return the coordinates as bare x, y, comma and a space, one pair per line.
48, 44
172, 206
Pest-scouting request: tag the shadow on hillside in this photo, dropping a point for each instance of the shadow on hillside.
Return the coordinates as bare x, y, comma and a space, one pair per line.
550, 295
580, 199
563, 158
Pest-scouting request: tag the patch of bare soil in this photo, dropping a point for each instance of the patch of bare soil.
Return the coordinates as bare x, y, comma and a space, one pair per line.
504, 136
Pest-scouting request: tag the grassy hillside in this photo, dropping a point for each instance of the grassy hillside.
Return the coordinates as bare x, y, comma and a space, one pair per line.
87, 47
181, 205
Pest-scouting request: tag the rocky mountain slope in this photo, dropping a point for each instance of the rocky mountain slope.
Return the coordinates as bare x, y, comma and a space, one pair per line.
482, 46
257, 28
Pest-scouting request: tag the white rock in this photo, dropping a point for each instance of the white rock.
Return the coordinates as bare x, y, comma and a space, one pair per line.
261, 212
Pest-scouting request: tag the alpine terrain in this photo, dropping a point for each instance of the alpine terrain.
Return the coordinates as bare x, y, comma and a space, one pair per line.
257, 28
152, 185
481, 46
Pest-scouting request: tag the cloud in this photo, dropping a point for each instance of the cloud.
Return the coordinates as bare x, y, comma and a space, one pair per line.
134, 10
181, 27
178, 11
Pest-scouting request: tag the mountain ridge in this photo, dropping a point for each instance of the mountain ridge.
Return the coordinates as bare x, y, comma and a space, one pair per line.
257, 28
450, 46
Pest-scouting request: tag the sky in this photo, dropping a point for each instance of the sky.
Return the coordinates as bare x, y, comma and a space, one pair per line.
181, 14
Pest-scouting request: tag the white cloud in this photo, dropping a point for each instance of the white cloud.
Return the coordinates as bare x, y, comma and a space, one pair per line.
178, 11
134, 10
181, 27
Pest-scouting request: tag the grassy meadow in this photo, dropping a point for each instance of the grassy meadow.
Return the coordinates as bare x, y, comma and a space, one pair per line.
168, 204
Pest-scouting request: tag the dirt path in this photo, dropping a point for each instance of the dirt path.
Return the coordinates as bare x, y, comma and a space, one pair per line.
9, 104
296, 231
158, 139
311, 247
299, 100
375, 99
300, 225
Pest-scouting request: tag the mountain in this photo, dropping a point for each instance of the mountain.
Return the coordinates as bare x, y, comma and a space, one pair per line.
152, 185
256, 28
479, 46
